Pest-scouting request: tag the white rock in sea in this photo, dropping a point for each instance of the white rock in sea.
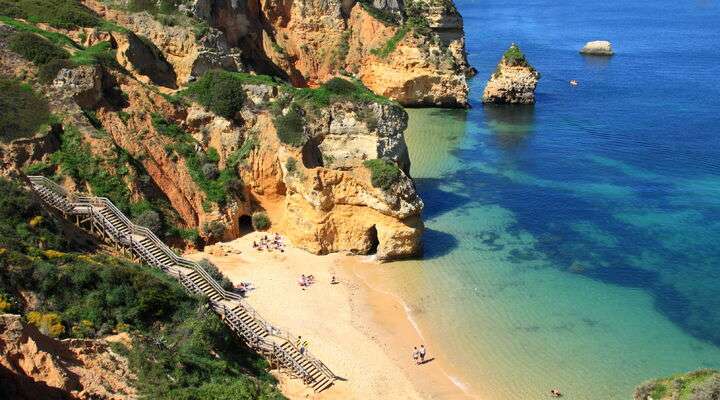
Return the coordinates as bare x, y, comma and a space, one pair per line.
597, 48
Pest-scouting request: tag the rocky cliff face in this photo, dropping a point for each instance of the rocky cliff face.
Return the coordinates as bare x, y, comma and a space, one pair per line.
514, 80
418, 60
322, 200
34, 366
319, 192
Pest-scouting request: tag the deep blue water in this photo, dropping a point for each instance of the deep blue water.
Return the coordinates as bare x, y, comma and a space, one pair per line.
643, 126
587, 224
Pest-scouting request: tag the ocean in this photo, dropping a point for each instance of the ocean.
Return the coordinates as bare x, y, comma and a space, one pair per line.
574, 243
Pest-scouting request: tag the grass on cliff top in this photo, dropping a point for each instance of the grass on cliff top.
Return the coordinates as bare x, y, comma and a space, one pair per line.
57, 38
24, 112
337, 89
702, 384
64, 14
180, 349
383, 174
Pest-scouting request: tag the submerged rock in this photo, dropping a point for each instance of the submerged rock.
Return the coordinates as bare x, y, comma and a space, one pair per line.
513, 81
597, 48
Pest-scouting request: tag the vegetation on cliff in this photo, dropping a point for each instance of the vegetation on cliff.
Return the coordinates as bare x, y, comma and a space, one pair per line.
180, 350
703, 384
57, 13
24, 112
219, 185
383, 173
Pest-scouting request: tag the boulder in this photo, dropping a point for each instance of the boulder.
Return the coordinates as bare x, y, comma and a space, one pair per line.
597, 48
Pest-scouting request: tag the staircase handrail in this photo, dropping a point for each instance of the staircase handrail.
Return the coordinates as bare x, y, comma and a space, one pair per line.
95, 201
136, 229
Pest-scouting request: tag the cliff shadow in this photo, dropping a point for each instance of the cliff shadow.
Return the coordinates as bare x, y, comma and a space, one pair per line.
22, 387
510, 124
442, 201
437, 244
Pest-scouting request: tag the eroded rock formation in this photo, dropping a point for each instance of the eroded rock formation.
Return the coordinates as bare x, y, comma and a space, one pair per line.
418, 60
35, 366
514, 80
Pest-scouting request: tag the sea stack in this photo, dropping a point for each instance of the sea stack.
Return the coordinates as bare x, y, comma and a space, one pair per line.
513, 81
597, 48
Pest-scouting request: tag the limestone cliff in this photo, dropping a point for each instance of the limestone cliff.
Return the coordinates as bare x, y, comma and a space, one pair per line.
35, 366
208, 173
514, 80
412, 52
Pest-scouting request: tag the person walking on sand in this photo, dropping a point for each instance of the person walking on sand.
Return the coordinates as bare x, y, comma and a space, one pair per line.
422, 353
416, 355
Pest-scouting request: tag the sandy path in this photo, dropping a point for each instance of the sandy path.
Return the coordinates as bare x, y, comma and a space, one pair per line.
362, 335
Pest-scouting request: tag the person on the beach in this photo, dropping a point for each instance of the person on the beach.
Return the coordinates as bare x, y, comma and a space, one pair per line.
422, 353
416, 355
333, 281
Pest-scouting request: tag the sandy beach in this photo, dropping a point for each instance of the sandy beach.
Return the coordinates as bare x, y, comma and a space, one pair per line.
364, 336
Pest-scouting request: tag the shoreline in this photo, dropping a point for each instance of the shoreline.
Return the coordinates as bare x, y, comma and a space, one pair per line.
364, 334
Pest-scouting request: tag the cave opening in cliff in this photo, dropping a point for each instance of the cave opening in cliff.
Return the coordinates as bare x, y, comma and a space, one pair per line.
245, 225
374, 241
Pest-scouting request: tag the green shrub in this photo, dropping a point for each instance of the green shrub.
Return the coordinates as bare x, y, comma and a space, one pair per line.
513, 56
210, 171
383, 174
291, 126
260, 221
23, 111
214, 229
65, 14
36, 48
291, 166
215, 273
219, 91
48, 72
149, 219
104, 176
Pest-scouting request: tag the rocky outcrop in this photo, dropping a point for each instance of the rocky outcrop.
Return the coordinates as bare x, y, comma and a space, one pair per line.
324, 202
327, 203
188, 55
311, 42
422, 70
703, 384
597, 48
143, 58
514, 80
22, 152
34, 366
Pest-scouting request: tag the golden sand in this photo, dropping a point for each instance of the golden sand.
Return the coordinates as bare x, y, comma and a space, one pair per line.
364, 336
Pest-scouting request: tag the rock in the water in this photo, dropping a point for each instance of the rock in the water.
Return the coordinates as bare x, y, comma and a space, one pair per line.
597, 48
513, 81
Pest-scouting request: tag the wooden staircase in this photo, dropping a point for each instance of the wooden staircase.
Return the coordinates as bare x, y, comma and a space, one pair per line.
101, 218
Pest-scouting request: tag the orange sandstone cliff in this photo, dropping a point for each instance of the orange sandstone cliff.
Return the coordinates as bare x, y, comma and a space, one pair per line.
412, 52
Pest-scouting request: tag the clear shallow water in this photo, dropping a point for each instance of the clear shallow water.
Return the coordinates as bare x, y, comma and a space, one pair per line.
576, 243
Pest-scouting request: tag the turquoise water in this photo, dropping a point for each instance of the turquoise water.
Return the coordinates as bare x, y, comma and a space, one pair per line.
576, 243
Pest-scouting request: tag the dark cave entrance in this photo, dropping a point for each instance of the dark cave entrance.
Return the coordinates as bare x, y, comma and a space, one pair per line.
374, 241
245, 225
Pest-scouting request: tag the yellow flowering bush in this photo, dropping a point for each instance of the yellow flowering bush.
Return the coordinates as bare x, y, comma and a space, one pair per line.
47, 323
